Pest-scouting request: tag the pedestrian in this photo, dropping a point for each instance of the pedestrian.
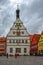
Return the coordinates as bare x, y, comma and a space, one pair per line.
15, 55
7, 55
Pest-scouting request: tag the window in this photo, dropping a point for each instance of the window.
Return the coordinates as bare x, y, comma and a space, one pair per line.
17, 41
2, 50
25, 50
11, 50
1, 46
1, 43
22, 41
13, 41
41, 44
10, 41
18, 50
22, 32
26, 41
35, 46
13, 32
15, 25
20, 26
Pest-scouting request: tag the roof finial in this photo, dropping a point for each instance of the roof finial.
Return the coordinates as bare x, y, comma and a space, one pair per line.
17, 6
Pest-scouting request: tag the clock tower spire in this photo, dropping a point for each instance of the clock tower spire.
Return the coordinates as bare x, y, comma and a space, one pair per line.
17, 12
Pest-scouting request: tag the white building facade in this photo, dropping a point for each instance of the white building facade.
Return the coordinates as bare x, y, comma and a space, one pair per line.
18, 39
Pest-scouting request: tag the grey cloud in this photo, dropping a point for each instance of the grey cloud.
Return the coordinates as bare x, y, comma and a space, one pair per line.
4, 2
7, 22
6, 16
33, 25
31, 15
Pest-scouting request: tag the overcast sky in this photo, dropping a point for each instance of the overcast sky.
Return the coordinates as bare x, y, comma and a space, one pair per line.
31, 14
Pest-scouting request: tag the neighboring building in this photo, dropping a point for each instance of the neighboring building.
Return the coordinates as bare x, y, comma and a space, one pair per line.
40, 44
18, 39
34, 44
2, 45
31, 37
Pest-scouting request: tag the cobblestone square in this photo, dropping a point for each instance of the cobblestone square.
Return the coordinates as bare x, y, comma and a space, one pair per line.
21, 60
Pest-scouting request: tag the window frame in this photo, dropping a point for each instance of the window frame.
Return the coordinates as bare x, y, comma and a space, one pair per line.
18, 50
25, 50
11, 50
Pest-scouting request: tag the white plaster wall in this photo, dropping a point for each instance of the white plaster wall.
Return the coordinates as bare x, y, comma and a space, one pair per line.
18, 38
22, 49
18, 44
11, 33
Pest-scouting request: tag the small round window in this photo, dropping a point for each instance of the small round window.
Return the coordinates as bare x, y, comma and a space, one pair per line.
13, 32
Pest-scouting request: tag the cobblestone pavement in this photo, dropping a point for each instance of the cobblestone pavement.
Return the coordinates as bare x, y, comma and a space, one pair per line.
21, 60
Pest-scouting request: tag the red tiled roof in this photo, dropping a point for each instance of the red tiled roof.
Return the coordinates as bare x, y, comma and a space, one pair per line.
2, 39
